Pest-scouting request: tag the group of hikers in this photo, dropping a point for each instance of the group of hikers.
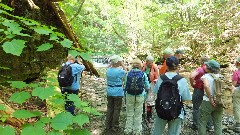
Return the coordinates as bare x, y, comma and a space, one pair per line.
147, 86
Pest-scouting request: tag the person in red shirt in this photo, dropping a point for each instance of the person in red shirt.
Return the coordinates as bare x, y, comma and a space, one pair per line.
198, 92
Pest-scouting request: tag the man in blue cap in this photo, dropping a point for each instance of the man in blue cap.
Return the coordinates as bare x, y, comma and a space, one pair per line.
175, 124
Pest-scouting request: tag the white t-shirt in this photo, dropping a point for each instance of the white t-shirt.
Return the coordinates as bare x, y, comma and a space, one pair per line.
211, 85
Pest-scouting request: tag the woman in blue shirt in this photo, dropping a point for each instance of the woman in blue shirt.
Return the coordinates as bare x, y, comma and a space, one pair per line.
115, 92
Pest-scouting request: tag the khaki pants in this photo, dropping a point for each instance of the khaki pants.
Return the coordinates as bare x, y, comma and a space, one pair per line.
134, 114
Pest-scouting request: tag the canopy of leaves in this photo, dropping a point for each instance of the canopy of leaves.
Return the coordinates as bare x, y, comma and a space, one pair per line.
148, 27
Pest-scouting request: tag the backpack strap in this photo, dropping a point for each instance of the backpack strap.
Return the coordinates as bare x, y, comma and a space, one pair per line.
177, 77
164, 77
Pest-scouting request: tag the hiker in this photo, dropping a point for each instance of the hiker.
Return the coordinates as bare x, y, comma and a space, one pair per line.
115, 92
136, 82
151, 70
236, 95
76, 68
179, 55
208, 106
198, 92
179, 91
163, 67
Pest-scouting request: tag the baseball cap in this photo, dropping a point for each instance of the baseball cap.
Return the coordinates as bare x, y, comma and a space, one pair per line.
212, 64
149, 58
178, 51
116, 58
168, 51
172, 61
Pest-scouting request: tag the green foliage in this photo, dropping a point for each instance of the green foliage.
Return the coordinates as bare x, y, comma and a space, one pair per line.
61, 121
44, 47
43, 93
20, 97
32, 130
17, 84
18, 27
14, 47
7, 130
81, 119
26, 114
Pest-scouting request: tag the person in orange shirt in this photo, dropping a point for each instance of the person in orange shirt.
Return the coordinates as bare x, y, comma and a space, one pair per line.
151, 69
166, 53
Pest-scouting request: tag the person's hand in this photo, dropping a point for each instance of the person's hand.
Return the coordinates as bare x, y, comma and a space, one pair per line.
212, 102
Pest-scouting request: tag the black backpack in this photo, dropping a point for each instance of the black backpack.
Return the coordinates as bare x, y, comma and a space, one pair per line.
168, 103
65, 77
135, 84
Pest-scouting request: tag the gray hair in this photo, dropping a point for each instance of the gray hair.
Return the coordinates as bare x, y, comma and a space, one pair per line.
149, 58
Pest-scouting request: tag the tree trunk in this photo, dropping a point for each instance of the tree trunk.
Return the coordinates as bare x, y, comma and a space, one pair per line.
10, 120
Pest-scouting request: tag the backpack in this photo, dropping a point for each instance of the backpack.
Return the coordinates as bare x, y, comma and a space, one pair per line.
168, 104
65, 77
135, 84
222, 94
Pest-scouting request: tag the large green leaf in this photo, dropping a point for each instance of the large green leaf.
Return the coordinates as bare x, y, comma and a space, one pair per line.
14, 47
43, 30
18, 84
45, 119
43, 93
7, 130
61, 121
26, 114
44, 47
36, 130
74, 53
91, 110
53, 37
66, 43
19, 97
73, 97
12, 26
81, 119
85, 56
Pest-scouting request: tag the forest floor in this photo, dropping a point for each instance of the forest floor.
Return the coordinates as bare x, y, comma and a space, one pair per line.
96, 89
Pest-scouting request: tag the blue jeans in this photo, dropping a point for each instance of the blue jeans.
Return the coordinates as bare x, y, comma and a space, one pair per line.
69, 105
174, 126
197, 98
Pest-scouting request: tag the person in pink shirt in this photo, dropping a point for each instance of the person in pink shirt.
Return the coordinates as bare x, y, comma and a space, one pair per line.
198, 92
236, 95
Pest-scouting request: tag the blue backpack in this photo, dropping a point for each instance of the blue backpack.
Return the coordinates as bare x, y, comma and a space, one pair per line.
135, 82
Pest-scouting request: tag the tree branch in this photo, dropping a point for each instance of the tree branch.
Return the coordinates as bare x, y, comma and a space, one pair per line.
78, 11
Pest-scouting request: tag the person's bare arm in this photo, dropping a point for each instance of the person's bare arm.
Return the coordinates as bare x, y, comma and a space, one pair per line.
192, 77
123, 66
207, 90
